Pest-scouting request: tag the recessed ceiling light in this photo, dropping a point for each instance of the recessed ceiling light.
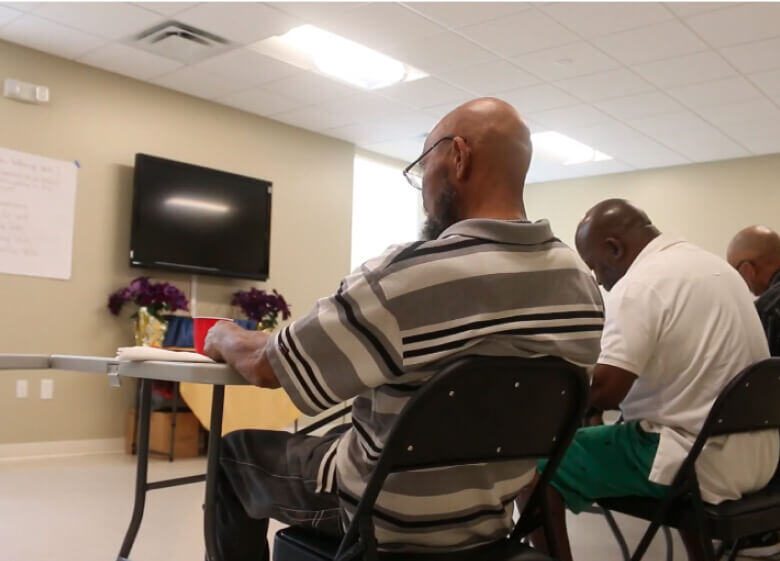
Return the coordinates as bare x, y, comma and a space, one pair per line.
565, 150
312, 48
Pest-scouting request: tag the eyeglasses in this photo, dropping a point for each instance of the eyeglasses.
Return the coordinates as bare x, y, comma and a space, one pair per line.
414, 171
738, 265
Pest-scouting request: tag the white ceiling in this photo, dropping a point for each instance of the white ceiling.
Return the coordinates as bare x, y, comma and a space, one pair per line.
650, 84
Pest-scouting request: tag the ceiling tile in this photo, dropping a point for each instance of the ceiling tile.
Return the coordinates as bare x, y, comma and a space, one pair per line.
542, 170
717, 92
654, 42
757, 116
684, 9
381, 25
489, 77
112, 20
705, 144
129, 61
166, 8
769, 82
519, 33
197, 82
568, 61
638, 106
410, 125
756, 138
259, 102
754, 57
458, 14
22, 6
314, 12
405, 149
8, 14
241, 23
576, 116
749, 21
247, 65
310, 88
311, 118
538, 98
44, 35
592, 19
365, 106
663, 127
605, 85
439, 111
439, 52
628, 145
426, 92
689, 69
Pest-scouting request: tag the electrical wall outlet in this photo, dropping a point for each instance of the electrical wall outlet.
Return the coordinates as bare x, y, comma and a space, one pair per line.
24, 91
47, 388
21, 389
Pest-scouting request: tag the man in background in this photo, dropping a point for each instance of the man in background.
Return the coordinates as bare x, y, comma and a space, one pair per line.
755, 254
679, 326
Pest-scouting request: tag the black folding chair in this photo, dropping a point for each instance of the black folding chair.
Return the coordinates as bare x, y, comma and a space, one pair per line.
476, 410
750, 402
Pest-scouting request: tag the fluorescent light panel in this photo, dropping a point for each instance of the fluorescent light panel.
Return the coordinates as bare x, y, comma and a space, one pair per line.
312, 48
565, 150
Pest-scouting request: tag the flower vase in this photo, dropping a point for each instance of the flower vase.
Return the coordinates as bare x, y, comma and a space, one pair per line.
149, 330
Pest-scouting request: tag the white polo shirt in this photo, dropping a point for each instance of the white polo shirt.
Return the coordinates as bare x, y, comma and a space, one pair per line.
684, 322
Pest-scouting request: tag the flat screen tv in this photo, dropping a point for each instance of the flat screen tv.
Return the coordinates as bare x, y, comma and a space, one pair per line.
194, 219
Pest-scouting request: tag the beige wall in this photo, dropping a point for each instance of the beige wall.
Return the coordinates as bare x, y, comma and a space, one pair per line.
102, 120
704, 203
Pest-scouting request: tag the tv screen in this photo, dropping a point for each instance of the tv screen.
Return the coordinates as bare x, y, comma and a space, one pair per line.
196, 219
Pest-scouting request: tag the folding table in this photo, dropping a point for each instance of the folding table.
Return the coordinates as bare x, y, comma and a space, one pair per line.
217, 375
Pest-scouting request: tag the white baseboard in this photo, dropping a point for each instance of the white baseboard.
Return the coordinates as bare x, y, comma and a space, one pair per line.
28, 450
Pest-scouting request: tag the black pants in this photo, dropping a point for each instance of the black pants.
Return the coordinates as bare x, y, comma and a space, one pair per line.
270, 474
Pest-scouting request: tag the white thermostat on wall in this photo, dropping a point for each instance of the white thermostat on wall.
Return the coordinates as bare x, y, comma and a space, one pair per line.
24, 91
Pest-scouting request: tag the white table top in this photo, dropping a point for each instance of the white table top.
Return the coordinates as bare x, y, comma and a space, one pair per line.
193, 372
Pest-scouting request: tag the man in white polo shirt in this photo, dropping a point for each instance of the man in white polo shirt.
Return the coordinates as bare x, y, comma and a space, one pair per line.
679, 325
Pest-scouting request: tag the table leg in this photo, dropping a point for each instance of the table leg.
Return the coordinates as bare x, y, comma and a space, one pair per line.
142, 453
212, 467
173, 419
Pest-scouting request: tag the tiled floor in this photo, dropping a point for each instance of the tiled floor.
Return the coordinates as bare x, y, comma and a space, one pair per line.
77, 508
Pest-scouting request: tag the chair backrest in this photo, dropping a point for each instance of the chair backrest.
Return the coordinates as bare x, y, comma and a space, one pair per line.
481, 410
750, 402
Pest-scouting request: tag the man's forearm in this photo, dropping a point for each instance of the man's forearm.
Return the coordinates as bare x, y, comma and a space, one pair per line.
609, 387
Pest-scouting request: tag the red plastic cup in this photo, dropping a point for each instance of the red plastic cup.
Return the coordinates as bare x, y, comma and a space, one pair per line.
200, 327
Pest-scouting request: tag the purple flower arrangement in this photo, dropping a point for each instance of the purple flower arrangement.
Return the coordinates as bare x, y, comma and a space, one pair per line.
157, 297
261, 306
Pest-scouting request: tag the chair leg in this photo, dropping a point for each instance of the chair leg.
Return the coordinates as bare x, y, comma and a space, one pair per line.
669, 543
644, 543
621, 541
734, 551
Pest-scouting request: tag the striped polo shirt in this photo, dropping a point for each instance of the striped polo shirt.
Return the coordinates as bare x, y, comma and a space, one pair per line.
484, 287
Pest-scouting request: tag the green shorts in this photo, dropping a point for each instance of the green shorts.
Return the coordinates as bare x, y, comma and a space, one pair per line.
607, 461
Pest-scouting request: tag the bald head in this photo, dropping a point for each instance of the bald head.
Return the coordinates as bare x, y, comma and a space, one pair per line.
610, 237
479, 158
497, 136
755, 253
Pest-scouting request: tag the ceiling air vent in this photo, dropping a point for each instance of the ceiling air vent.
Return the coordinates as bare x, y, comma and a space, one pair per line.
180, 42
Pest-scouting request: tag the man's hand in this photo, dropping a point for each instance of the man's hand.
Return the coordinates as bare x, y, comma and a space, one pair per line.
243, 350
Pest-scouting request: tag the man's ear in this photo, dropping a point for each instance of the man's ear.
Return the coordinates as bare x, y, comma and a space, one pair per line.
462, 158
615, 248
